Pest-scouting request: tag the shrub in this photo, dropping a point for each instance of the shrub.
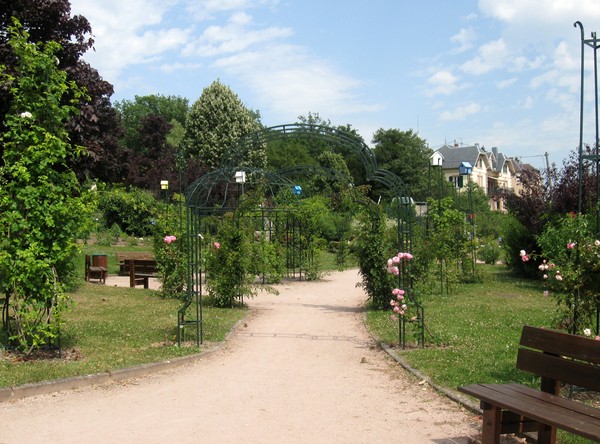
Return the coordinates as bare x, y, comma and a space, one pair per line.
489, 252
133, 211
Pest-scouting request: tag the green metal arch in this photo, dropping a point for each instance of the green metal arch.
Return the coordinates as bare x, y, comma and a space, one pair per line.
202, 196
235, 154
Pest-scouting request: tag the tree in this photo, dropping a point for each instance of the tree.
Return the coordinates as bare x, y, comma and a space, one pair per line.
216, 121
41, 211
405, 154
96, 126
170, 108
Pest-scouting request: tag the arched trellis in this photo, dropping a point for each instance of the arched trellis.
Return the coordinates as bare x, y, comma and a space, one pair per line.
218, 192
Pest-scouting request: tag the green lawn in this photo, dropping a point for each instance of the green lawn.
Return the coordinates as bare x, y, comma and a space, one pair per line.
113, 327
473, 333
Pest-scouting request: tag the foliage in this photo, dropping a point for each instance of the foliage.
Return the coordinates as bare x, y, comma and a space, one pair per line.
228, 263
369, 247
406, 155
95, 126
489, 252
134, 211
170, 251
448, 242
133, 112
41, 209
215, 122
571, 269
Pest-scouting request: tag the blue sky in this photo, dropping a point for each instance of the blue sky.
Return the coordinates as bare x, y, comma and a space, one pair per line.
502, 73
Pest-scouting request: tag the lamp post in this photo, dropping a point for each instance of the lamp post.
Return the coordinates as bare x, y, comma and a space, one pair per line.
164, 186
465, 169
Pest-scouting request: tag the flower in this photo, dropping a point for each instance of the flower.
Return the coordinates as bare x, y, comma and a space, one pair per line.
169, 239
26, 115
217, 245
546, 293
522, 253
587, 332
571, 245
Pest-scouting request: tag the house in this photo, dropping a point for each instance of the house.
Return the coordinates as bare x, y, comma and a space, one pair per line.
492, 171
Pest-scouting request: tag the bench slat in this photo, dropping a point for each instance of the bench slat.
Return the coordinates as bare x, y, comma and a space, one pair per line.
561, 344
576, 406
545, 411
561, 369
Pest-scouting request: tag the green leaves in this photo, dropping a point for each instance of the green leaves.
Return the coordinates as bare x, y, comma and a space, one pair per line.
41, 212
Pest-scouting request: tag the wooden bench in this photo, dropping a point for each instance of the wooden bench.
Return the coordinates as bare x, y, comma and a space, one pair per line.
140, 271
131, 255
556, 357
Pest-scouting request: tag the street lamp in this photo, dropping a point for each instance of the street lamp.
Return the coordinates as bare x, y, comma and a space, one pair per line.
164, 184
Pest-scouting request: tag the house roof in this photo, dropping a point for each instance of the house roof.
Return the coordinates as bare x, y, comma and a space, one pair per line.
454, 156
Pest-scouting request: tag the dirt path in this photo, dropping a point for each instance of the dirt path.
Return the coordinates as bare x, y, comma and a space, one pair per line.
302, 369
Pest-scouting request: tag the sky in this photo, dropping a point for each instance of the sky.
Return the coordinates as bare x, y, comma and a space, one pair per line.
500, 73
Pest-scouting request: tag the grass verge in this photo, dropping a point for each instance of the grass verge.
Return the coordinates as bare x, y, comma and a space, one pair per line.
473, 333
113, 327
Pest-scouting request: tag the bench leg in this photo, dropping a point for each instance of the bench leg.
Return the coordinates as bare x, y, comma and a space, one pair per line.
146, 279
490, 430
546, 434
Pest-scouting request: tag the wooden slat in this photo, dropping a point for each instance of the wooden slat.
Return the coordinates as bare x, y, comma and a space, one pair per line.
578, 407
564, 370
561, 344
561, 414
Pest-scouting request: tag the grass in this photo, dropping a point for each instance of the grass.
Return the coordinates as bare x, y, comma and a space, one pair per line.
474, 332
113, 327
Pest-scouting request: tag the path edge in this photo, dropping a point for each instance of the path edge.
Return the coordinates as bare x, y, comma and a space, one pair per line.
13, 393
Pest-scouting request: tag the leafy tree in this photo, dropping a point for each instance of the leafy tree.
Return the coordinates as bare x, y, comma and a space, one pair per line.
133, 112
41, 211
158, 160
405, 154
96, 125
287, 153
216, 121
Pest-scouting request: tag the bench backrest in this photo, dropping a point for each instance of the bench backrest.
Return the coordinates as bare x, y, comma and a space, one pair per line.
558, 356
124, 255
141, 265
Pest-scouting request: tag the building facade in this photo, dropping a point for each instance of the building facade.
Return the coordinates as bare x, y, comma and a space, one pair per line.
491, 171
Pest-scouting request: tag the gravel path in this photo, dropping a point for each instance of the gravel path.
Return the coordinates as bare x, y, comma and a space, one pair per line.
301, 369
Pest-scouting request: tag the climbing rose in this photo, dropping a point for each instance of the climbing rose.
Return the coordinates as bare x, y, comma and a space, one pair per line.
217, 245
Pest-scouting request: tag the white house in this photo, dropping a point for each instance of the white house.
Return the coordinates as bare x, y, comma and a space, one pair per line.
492, 171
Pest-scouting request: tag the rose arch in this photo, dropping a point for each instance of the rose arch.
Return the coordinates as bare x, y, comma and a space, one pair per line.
226, 190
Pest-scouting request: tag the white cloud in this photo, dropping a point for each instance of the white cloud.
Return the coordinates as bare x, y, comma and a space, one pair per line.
506, 83
207, 9
461, 112
539, 11
292, 82
124, 35
234, 37
464, 39
492, 55
442, 82
174, 67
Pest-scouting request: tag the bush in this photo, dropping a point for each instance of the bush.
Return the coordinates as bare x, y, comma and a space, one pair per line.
133, 211
489, 252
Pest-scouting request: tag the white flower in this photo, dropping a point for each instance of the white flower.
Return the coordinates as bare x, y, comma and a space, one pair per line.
587, 332
597, 242
522, 253
26, 115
